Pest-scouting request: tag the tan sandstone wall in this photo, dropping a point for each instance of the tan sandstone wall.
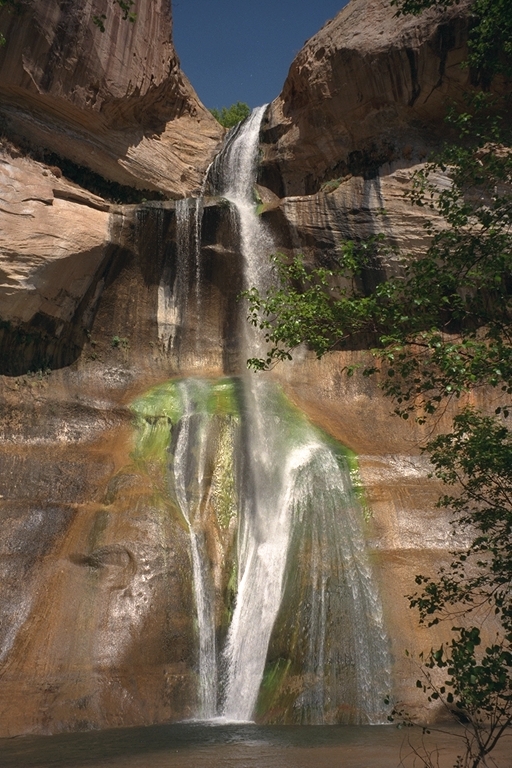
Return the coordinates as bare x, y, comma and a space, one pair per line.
96, 598
115, 102
368, 90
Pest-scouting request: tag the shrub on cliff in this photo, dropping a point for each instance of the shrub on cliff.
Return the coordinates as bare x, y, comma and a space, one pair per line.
231, 116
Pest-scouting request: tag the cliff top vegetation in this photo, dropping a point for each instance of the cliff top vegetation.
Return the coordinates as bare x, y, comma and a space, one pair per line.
231, 116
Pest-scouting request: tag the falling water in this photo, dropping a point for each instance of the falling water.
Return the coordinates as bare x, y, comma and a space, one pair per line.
179, 269
305, 592
188, 467
264, 535
265, 525
233, 176
289, 474
304, 583
345, 649
198, 218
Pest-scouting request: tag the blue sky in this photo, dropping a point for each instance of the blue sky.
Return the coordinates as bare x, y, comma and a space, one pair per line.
238, 50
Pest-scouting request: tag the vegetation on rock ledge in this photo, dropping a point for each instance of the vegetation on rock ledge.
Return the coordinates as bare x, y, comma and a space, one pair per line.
231, 116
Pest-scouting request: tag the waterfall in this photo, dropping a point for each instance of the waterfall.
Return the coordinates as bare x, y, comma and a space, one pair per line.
182, 266
304, 585
264, 535
190, 488
233, 175
265, 525
172, 291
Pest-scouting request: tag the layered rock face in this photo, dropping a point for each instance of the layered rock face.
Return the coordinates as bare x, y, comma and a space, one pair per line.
101, 630
98, 304
53, 244
369, 91
115, 102
61, 250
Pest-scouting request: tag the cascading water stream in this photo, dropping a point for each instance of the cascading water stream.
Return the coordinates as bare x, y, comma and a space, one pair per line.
272, 509
302, 567
265, 525
233, 175
173, 295
188, 473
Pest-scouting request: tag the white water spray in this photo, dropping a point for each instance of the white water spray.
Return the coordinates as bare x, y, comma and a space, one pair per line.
180, 269
188, 472
265, 525
234, 174
289, 475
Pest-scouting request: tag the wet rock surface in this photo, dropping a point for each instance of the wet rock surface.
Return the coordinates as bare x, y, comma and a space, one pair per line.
99, 629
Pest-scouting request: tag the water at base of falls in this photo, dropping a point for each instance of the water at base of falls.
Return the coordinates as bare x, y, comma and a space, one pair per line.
197, 745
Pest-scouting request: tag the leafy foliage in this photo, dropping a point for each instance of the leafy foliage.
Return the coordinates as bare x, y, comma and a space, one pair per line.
323, 307
490, 34
476, 459
231, 116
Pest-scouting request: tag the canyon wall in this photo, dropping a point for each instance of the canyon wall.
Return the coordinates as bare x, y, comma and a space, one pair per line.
98, 611
368, 92
115, 102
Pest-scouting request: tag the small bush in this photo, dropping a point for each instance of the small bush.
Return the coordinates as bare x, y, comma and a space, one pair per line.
231, 116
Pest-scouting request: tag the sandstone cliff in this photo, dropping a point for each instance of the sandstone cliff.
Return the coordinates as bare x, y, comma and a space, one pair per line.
96, 599
368, 92
116, 102
54, 239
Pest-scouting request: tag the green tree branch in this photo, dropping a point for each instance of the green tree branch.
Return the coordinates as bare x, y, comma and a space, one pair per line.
231, 116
